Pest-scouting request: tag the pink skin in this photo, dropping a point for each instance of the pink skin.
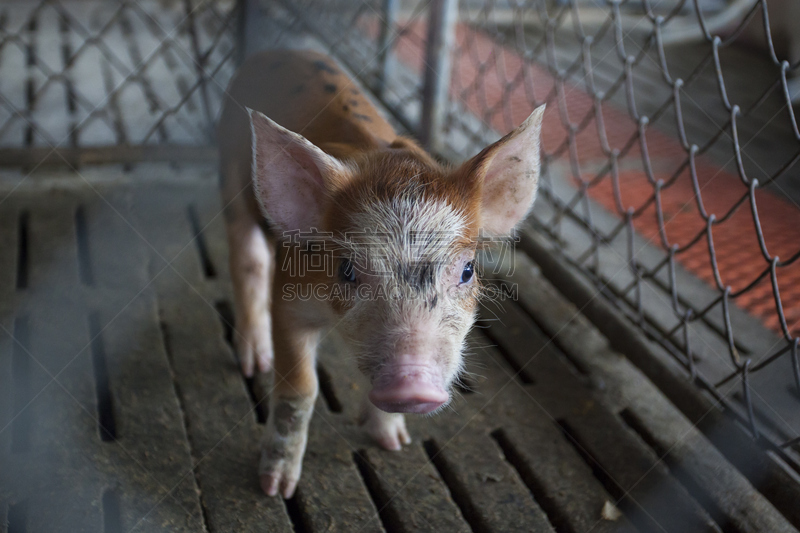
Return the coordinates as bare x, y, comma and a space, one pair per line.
271, 484
409, 388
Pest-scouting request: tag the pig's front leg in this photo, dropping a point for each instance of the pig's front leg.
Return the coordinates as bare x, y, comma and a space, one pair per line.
387, 429
291, 405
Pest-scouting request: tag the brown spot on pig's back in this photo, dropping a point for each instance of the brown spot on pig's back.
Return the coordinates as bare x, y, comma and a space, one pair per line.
304, 92
324, 66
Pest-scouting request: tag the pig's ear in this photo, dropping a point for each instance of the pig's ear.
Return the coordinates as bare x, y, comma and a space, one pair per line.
509, 169
291, 177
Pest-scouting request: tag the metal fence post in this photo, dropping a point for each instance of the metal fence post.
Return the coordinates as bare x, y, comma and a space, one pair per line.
241, 29
385, 44
200, 64
441, 35
251, 36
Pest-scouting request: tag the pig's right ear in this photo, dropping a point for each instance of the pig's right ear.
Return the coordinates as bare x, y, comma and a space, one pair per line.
291, 177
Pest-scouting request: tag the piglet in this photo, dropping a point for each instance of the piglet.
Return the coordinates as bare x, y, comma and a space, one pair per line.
309, 168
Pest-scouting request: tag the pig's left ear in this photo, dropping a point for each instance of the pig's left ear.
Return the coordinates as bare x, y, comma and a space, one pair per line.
509, 169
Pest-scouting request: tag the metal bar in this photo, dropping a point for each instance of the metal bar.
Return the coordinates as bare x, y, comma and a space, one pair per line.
441, 34
200, 64
241, 27
75, 157
252, 22
385, 44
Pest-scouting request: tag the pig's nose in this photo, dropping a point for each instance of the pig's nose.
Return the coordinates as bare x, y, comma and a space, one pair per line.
407, 393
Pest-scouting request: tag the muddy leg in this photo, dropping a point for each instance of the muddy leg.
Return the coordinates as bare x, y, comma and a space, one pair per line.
291, 405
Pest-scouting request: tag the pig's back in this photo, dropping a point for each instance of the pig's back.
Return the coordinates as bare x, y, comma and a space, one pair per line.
303, 91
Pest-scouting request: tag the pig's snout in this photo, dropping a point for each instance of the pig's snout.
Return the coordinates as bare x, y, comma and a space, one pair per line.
408, 388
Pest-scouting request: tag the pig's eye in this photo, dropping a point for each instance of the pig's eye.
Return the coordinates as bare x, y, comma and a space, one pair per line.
347, 272
468, 272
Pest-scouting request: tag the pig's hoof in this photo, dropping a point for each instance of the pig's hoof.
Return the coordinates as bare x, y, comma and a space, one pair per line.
279, 475
254, 346
387, 429
271, 484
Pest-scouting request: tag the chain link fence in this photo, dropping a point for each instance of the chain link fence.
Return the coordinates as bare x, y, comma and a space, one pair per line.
670, 144
104, 80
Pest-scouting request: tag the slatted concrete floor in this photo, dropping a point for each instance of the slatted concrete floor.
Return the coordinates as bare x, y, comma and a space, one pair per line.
122, 408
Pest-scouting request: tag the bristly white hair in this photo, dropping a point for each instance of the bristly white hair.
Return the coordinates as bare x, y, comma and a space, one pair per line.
408, 231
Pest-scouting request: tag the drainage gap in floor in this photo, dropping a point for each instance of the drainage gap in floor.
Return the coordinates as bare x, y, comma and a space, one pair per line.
200, 242
555, 515
459, 493
640, 428
639, 517
388, 514
106, 422
327, 390
22, 250
296, 515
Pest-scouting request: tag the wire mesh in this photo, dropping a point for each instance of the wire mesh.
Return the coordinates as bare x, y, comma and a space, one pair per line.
662, 138
385, 51
90, 73
669, 148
